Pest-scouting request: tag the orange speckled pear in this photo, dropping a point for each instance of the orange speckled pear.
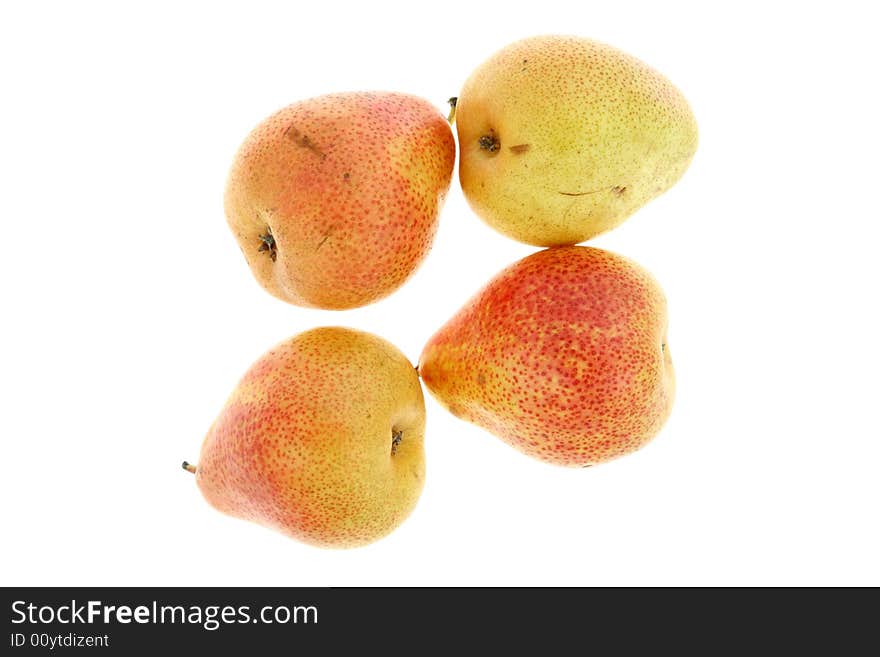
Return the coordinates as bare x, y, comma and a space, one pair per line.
334, 200
563, 138
321, 440
562, 355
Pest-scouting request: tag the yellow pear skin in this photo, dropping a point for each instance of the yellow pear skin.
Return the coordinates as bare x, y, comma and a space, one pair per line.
562, 138
321, 440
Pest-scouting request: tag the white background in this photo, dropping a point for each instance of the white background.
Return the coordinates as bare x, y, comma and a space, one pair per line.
129, 313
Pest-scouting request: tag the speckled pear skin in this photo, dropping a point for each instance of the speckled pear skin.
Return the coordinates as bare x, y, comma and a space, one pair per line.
563, 355
334, 200
563, 138
321, 440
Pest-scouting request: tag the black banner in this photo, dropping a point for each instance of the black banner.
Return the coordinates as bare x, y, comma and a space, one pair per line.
397, 621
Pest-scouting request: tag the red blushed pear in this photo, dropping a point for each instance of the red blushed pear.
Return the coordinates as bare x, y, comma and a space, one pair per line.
321, 440
334, 200
563, 355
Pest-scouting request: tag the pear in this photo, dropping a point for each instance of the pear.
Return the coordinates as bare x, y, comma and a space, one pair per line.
563, 355
334, 200
321, 440
563, 138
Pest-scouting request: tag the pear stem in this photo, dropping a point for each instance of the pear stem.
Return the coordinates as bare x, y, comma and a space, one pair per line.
189, 467
452, 103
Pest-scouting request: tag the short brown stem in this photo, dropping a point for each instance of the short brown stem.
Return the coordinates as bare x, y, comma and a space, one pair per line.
189, 467
452, 103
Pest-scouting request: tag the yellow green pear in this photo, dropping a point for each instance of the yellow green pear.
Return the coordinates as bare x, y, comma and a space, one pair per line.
321, 440
563, 138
